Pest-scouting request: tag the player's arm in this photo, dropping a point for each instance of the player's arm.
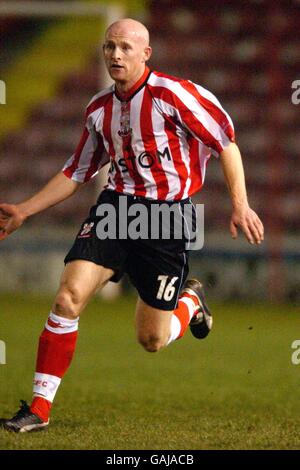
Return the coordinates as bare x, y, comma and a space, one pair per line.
83, 165
208, 122
12, 216
243, 216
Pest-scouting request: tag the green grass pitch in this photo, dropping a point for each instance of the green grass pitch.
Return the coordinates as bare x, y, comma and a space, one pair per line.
237, 389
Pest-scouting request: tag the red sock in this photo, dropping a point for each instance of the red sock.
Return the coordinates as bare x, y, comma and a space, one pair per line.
41, 407
184, 313
56, 348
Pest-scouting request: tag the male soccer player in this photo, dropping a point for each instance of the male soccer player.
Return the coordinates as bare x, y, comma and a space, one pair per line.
158, 132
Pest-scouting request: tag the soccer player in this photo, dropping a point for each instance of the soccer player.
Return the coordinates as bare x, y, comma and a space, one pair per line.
157, 132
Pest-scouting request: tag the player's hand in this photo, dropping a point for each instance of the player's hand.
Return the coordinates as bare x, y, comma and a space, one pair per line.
11, 218
248, 221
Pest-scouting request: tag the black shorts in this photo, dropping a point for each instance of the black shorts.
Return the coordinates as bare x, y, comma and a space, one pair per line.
156, 266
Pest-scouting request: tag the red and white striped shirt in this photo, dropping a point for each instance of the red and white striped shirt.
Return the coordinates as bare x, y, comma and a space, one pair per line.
158, 137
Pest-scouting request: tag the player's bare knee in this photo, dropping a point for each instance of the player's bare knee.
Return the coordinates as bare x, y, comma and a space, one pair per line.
67, 302
152, 343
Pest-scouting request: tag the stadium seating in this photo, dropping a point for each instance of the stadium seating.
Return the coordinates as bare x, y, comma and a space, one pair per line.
247, 53
34, 153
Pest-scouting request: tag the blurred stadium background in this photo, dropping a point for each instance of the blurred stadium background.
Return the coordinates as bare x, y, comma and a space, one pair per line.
240, 380
247, 53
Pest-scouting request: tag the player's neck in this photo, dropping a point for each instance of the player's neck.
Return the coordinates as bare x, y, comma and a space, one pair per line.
126, 88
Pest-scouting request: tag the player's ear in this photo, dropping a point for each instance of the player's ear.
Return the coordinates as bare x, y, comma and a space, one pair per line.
147, 53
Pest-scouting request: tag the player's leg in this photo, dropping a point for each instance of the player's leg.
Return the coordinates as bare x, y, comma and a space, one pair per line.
57, 343
152, 326
90, 263
157, 328
79, 282
168, 303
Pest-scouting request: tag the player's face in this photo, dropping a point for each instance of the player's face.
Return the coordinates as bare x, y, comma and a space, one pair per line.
125, 58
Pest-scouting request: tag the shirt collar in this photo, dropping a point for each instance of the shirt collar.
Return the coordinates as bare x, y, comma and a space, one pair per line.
135, 88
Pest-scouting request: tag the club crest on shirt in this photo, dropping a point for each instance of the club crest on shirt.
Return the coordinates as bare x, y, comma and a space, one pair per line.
125, 128
86, 230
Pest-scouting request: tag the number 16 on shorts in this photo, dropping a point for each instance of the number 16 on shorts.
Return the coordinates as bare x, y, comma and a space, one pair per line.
166, 289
